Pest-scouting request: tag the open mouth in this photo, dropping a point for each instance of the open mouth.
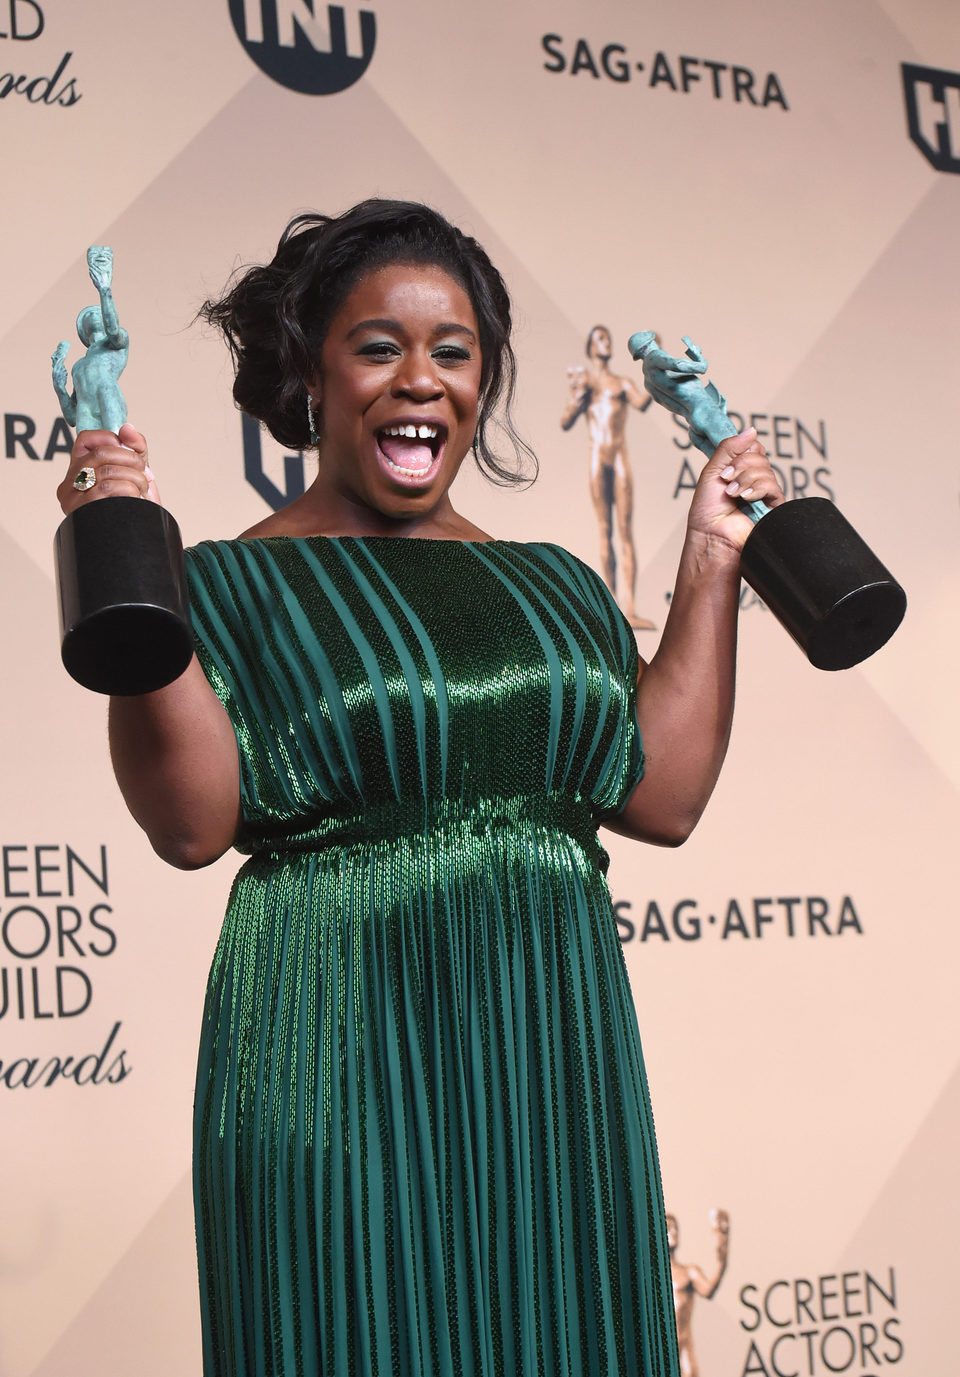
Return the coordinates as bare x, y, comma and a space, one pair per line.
411, 450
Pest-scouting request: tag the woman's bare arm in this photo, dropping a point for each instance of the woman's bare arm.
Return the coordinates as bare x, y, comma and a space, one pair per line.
174, 751
175, 758
685, 695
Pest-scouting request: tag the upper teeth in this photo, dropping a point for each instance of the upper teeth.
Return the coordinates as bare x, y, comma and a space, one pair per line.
413, 432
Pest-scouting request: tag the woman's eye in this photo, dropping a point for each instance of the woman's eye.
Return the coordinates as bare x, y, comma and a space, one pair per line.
379, 349
451, 353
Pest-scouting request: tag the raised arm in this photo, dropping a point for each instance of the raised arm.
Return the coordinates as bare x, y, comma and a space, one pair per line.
579, 398
638, 397
685, 695
701, 1283
68, 400
100, 263
174, 752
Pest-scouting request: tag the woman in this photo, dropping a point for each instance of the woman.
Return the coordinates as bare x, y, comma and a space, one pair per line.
423, 1138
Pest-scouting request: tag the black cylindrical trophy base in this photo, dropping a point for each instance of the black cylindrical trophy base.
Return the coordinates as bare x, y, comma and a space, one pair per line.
822, 582
124, 613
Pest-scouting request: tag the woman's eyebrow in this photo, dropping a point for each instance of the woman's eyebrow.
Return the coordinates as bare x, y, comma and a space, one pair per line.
391, 326
395, 328
451, 327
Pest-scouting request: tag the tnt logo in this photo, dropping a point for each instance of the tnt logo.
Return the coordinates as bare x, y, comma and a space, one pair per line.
276, 476
933, 114
312, 48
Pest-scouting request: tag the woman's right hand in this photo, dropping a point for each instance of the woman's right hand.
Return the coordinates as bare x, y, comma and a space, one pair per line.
119, 463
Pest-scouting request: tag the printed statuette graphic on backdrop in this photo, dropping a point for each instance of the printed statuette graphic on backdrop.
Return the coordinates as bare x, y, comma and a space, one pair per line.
97, 402
124, 616
690, 1281
603, 398
821, 581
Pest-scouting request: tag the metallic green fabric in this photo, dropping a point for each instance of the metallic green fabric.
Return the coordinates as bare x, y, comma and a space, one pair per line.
423, 1137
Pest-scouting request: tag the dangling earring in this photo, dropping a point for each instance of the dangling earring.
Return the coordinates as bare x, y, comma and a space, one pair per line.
311, 421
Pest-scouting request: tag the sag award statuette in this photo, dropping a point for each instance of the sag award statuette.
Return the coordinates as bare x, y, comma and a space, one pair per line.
803, 558
124, 618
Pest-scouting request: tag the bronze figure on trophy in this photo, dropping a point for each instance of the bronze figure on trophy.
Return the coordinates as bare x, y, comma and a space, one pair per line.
820, 580
96, 402
124, 617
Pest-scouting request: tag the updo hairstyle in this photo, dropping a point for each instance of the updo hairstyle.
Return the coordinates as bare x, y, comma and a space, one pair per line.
275, 318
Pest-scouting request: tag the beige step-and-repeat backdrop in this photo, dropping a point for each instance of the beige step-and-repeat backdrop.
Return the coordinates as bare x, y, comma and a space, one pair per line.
780, 181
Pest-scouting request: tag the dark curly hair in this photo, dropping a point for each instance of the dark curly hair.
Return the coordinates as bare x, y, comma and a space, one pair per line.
275, 318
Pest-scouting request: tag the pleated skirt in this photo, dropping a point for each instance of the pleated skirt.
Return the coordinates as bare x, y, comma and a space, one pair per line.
423, 1139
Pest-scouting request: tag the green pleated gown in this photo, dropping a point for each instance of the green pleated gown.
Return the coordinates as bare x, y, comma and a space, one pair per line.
423, 1141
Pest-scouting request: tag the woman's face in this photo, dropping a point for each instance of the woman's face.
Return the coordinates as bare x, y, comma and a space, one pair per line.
397, 391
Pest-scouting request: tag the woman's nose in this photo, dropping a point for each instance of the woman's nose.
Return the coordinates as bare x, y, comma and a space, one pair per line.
418, 377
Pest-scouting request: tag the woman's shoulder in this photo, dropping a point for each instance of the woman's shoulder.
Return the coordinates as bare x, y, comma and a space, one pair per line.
562, 561
211, 552
232, 548
577, 581
237, 562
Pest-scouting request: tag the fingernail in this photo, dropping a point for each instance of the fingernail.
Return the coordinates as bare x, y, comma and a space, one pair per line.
727, 472
732, 489
746, 492
148, 471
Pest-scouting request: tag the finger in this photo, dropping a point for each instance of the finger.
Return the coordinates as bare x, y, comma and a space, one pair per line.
153, 492
104, 444
95, 449
112, 480
130, 437
740, 480
767, 491
746, 473
750, 480
120, 480
118, 463
731, 450
739, 476
118, 485
89, 440
70, 499
98, 455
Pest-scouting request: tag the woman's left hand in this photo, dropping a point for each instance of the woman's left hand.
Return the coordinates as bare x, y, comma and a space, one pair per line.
739, 469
